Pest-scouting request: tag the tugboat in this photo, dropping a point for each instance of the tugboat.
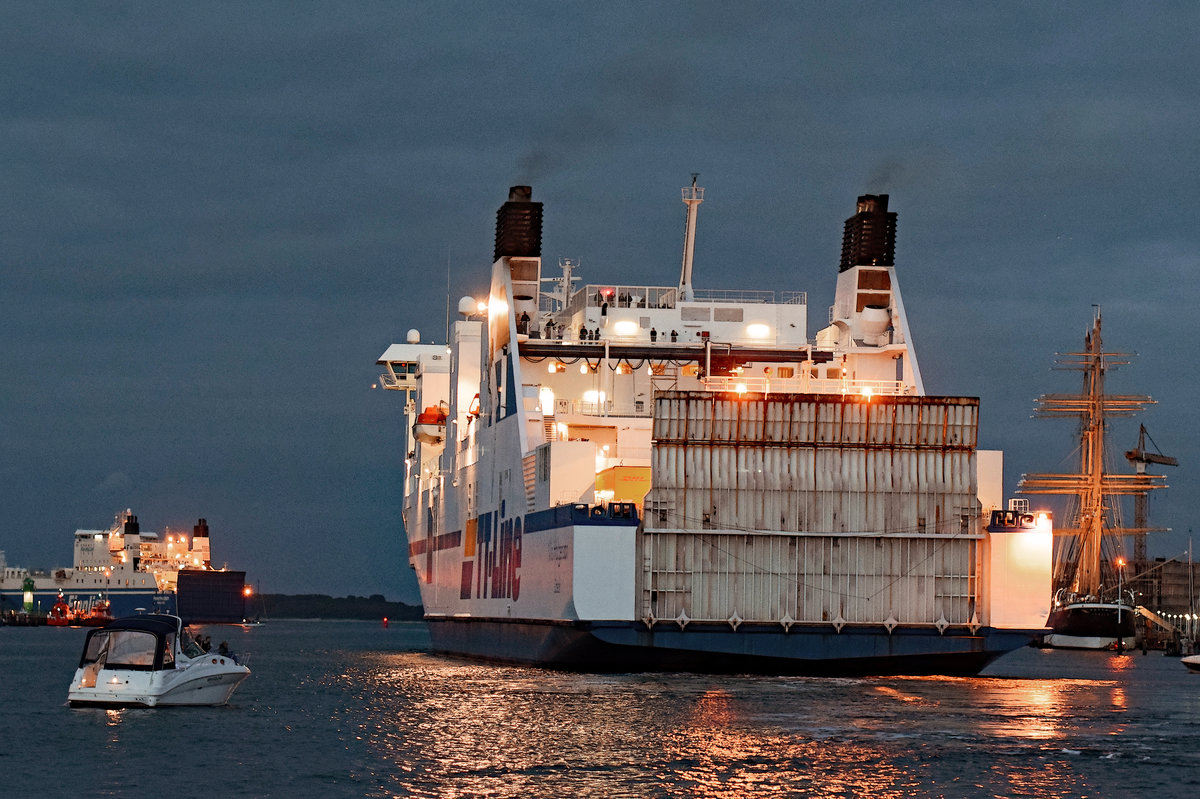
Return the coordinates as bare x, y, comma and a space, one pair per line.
60, 614
1092, 607
99, 615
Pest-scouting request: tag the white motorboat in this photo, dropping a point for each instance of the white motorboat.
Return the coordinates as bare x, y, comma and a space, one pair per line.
148, 661
1192, 662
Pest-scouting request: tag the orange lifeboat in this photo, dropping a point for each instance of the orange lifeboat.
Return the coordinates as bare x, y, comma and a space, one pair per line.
431, 425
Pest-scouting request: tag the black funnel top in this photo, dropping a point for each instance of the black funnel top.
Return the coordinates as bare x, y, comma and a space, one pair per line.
870, 235
519, 225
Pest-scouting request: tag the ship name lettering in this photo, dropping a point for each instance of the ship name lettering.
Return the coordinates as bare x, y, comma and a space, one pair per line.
501, 563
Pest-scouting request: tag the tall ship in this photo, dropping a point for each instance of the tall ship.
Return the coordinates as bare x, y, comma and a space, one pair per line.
618, 477
1093, 605
127, 570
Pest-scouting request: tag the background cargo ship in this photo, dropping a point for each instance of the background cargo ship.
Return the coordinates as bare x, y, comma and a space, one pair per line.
135, 571
658, 477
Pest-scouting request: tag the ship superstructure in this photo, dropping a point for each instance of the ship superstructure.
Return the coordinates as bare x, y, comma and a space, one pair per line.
617, 476
134, 571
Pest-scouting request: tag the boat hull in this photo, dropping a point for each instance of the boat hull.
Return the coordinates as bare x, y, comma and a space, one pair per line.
208, 685
1192, 662
1092, 625
762, 649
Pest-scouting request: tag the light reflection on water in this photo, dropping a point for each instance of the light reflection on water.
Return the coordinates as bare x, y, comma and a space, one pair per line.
478, 730
353, 710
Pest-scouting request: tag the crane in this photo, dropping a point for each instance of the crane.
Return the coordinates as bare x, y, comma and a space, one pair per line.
1140, 457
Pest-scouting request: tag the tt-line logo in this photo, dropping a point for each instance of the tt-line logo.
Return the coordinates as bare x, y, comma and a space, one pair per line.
500, 563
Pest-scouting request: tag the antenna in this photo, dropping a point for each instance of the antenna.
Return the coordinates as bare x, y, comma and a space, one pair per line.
692, 197
447, 298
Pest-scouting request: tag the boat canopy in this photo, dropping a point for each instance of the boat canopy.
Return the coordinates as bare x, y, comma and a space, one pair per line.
137, 643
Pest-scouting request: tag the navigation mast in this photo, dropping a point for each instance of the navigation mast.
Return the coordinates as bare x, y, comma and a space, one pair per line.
692, 197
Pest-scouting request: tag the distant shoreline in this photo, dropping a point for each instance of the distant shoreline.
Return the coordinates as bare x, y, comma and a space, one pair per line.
322, 606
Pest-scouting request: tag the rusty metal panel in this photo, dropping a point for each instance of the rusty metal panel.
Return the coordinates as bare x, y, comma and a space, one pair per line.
810, 579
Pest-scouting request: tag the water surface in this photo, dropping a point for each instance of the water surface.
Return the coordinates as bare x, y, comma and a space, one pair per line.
356, 709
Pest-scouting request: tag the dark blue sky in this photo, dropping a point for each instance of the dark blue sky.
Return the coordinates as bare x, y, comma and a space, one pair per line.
215, 218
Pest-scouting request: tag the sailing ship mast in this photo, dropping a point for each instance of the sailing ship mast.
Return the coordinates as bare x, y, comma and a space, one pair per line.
1096, 490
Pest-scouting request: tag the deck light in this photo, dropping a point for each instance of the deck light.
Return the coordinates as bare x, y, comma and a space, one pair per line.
758, 330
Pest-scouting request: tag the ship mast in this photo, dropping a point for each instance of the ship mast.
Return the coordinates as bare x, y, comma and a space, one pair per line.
1095, 489
692, 197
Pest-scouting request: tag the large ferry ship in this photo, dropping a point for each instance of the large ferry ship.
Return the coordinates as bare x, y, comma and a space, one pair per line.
133, 571
643, 477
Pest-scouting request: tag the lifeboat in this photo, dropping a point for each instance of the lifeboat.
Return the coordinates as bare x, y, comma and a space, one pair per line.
431, 425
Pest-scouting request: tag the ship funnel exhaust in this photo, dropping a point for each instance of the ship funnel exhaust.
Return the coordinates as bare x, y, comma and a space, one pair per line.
870, 235
692, 197
519, 225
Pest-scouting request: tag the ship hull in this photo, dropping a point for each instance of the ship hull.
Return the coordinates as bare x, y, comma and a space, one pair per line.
124, 602
1092, 625
761, 649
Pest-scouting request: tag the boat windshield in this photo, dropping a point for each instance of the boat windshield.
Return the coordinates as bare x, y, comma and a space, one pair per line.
96, 644
124, 649
191, 648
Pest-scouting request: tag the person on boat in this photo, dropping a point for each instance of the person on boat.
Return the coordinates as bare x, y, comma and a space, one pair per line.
225, 651
653, 335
